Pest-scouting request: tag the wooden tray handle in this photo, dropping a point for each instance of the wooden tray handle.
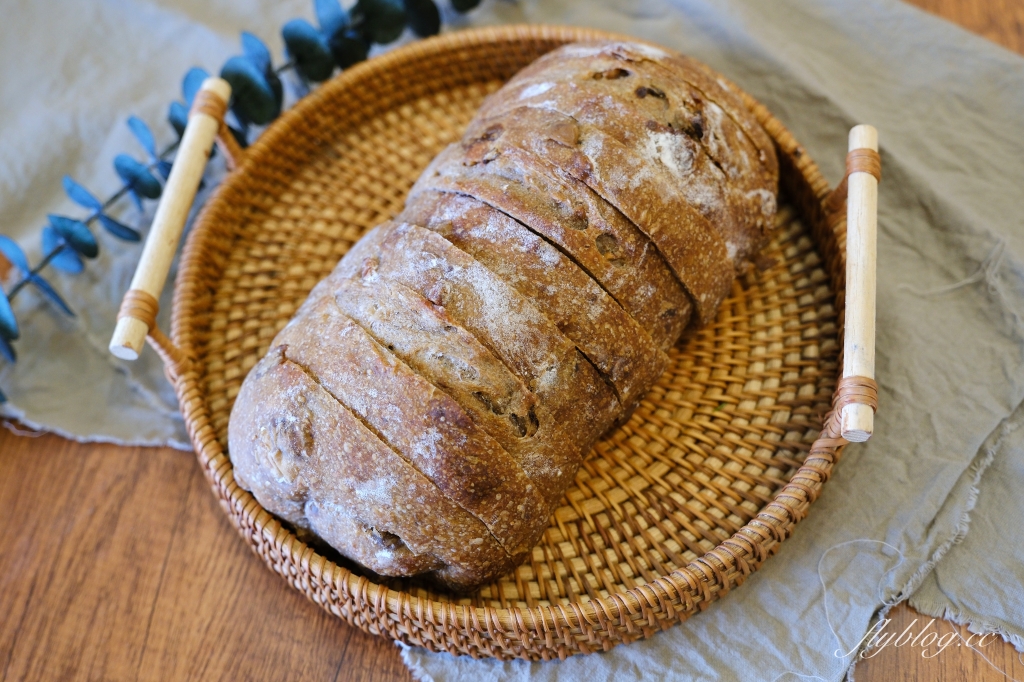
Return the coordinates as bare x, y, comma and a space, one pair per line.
862, 175
137, 317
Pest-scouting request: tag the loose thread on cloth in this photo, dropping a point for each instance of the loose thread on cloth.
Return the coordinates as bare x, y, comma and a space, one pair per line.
886, 603
987, 659
13, 428
988, 271
878, 587
824, 598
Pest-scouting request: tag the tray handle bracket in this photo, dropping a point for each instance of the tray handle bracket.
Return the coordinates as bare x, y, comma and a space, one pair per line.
136, 320
857, 394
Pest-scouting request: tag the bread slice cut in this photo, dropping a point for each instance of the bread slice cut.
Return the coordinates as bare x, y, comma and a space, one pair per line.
434, 345
648, 108
606, 334
568, 214
309, 460
575, 405
627, 179
646, 98
416, 419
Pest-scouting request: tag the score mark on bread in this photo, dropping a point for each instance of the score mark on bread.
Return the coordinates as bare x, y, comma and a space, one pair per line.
427, 407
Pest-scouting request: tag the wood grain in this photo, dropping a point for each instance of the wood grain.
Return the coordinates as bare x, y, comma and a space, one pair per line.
1001, 21
115, 562
957, 663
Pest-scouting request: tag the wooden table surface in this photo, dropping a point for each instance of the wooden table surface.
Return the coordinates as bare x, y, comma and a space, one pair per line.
117, 564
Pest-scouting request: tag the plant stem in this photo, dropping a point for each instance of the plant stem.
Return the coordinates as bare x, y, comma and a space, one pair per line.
106, 204
35, 271
124, 188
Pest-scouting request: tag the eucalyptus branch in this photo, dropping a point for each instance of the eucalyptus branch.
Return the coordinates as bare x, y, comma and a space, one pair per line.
35, 271
110, 201
314, 54
125, 188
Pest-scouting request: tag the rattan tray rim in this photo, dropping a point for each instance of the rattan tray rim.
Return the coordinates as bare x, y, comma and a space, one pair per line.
473, 630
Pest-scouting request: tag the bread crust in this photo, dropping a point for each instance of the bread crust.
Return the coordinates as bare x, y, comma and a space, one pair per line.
709, 85
647, 102
595, 235
575, 405
430, 403
312, 462
617, 346
426, 427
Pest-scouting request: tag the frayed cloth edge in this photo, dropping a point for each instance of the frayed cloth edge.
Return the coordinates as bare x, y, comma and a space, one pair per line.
419, 674
14, 413
981, 463
973, 623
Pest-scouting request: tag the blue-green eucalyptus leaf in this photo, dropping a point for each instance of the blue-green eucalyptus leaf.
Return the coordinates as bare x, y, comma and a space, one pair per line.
7, 350
274, 81
191, 83
257, 51
137, 176
164, 167
80, 195
8, 323
331, 16
383, 20
241, 136
177, 116
464, 6
309, 49
137, 200
119, 230
47, 290
66, 259
424, 17
253, 97
13, 253
76, 234
144, 135
349, 48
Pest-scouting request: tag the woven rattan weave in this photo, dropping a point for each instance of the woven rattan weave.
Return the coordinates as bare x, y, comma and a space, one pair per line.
668, 513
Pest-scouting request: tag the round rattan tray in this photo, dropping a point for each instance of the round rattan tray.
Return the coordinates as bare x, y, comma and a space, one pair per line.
668, 513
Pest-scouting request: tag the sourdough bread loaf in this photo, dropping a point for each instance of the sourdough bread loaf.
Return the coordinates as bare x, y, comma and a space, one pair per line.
429, 404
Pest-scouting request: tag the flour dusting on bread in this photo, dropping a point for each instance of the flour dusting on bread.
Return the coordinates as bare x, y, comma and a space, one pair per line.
428, 406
